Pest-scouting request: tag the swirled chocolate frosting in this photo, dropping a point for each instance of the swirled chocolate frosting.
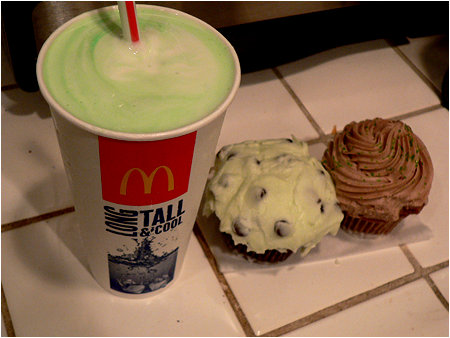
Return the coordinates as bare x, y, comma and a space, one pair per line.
381, 169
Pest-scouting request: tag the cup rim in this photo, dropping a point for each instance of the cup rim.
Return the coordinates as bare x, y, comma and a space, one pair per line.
196, 125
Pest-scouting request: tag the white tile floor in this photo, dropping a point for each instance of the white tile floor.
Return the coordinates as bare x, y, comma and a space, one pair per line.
411, 310
398, 291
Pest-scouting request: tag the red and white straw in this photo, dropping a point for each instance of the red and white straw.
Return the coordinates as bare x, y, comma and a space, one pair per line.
128, 19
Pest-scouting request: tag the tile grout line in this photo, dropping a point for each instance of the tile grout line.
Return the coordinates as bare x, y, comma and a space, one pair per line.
35, 219
419, 272
436, 291
425, 273
343, 305
209, 255
416, 70
418, 112
242, 318
6, 315
323, 138
352, 301
299, 103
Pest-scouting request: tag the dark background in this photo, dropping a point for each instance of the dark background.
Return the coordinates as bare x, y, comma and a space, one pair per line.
268, 43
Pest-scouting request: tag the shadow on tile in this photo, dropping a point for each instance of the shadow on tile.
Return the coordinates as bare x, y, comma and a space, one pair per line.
46, 255
333, 54
434, 57
18, 102
39, 194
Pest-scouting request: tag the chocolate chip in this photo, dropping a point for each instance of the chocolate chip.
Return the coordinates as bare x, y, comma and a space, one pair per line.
240, 229
221, 153
258, 162
289, 140
322, 172
231, 155
224, 181
261, 193
282, 228
322, 207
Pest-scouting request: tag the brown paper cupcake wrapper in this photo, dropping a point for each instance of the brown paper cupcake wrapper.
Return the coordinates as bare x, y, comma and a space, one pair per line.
367, 226
271, 256
375, 227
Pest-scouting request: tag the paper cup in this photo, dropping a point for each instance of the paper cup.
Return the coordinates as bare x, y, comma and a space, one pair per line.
136, 195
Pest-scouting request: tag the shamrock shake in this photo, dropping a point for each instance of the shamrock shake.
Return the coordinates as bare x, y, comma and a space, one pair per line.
137, 125
176, 74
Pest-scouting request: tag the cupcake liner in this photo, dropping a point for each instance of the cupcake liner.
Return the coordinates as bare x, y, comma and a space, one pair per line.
372, 226
271, 256
367, 226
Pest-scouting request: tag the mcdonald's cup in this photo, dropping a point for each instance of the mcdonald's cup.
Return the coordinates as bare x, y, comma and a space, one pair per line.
136, 194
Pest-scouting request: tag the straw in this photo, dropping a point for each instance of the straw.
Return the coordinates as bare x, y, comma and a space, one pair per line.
127, 10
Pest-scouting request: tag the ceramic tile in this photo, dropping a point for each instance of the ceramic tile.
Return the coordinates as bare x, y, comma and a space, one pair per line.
432, 128
411, 310
33, 177
430, 55
44, 269
356, 82
44, 278
273, 298
263, 109
440, 278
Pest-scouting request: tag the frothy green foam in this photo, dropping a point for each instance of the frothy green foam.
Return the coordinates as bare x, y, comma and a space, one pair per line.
178, 73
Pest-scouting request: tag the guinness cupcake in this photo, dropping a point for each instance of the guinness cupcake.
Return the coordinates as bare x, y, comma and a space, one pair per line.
271, 199
382, 172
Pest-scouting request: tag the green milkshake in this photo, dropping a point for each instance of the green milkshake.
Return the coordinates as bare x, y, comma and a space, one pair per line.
178, 73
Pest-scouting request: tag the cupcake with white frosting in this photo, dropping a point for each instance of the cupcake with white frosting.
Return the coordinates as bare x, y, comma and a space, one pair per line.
382, 172
271, 198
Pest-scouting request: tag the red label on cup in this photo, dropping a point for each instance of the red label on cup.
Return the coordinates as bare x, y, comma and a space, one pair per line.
145, 172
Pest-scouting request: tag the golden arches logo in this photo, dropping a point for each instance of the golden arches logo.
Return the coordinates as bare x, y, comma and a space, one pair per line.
147, 180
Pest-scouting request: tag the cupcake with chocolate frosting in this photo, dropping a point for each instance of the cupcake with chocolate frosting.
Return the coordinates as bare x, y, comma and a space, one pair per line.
382, 172
271, 199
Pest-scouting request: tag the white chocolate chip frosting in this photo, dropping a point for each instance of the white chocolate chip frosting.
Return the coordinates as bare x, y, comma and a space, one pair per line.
272, 194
